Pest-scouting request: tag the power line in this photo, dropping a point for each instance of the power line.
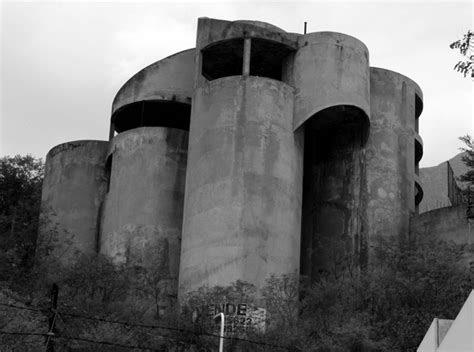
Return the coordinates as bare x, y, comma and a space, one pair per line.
81, 316
21, 333
80, 339
34, 309
172, 329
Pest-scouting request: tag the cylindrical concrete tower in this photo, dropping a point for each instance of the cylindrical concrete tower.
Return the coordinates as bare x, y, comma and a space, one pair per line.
144, 204
332, 106
244, 180
142, 216
331, 70
74, 185
393, 151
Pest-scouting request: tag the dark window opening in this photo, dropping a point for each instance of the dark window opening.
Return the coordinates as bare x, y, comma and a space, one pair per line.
223, 59
153, 113
418, 193
418, 108
108, 171
339, 128
267, 58
418, 151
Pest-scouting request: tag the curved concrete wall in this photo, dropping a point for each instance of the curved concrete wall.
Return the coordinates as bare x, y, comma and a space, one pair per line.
171, 78
242, 208
446, 224
74, 185
330, 69
332, 103
390, 153
211, 31
158, 95
333, 221
222, 42
142, 214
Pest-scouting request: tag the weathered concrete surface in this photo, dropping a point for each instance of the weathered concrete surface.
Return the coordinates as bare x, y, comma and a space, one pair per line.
334, 199
171, 78
435, 183
390, 153
142, 214
447, 224
330, 69
211, 31
242, 208
74, 186
265, 25
419, 193
219, 47
418, 149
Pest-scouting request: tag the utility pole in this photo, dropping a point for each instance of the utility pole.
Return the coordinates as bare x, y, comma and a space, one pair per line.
52, 318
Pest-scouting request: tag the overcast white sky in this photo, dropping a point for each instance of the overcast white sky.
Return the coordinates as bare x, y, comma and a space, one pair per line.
63, 62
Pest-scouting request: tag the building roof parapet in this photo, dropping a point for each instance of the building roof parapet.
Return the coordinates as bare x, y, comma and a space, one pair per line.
212, 31
72, 145
171, 78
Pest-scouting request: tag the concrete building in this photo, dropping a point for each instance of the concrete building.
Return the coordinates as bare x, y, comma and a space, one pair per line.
258, 153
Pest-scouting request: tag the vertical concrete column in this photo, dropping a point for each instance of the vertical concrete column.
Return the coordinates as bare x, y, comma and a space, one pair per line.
391, 154
111, 130
246, 57
143, 208
242, 207
74, 186
333, 221
332, 105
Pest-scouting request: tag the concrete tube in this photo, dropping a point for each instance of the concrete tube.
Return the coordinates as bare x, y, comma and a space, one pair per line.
391, 153
330, 69
74, 185
333, 235
143, 209
242, 207
332, 105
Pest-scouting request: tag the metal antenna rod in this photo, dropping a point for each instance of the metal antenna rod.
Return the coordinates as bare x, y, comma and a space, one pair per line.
305, 27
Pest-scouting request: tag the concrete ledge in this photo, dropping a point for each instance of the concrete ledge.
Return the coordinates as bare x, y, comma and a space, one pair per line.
213, 30
171, 78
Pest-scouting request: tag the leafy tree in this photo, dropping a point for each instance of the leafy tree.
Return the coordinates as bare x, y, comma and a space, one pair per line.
20, 196
466, 48
468, 159
412, 285
152, 278
468, 177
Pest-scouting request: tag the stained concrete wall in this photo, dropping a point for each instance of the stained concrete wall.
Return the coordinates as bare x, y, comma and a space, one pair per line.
242, 209
158, 95
437, 182
447, 224
332, 105
390, 153
211, 31
74, 185
330, 69
171, 78
333, 202
142, 214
